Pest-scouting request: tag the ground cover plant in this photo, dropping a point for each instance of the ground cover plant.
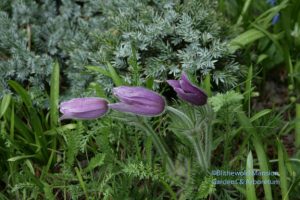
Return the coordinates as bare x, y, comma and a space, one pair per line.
149, 99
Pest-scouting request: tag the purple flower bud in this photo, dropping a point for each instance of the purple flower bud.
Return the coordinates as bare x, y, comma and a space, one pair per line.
187, 91
138, 100
83, 108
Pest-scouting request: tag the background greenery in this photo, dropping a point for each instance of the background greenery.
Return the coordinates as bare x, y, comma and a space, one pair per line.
51, 51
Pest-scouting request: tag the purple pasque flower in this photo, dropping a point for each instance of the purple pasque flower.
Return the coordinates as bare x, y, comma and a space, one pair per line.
138, 100
83, 108
187, 91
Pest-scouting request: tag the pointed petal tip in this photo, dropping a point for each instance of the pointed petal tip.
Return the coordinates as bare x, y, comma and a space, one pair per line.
174, 83
63, 117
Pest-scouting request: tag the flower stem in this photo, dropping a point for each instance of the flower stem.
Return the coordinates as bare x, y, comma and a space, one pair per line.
208, 144
184, 118
226, 149
199, 152
159, 144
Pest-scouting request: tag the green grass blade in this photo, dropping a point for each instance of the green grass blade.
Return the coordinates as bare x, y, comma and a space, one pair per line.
169, 189
54, 95
282, 171
244, 39
16, 158
47, 167
30, 166
297, 126
250, 188
12, 123
259, 149
4, 104
81, 182
265, 18
248, 90
37, 127
98, 69
270, 36
22, 92
115, 77
35, 134
19, 125
260, 114
110, 73
289, 64
263, 164
245, 9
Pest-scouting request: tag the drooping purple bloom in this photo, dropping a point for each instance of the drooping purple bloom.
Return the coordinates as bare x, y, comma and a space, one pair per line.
187, 91
83, 108
138, 100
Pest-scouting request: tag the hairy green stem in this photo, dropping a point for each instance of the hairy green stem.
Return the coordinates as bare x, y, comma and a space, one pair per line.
197, 145
208, 145
184, 118
226, 149
159, 144
226, 142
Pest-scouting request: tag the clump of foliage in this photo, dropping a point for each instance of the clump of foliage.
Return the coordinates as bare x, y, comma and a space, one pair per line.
268, 34
121, 155
161, 37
